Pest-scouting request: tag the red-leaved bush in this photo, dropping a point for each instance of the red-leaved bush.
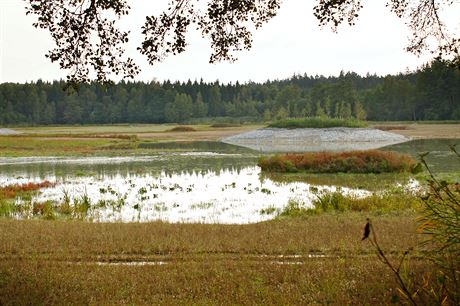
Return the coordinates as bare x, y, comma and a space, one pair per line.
372, 161
11, 191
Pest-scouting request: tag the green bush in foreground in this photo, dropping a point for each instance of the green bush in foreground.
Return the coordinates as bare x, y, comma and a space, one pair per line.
318, 122
372, 161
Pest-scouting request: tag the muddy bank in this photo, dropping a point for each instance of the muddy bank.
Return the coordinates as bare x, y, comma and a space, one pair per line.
309, 140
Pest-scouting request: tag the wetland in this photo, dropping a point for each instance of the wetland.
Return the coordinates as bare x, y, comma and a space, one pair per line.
196, 181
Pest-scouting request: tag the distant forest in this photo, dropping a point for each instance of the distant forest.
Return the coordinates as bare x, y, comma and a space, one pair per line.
430, 93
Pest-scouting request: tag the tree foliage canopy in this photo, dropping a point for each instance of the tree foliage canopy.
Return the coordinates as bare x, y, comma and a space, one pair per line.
88, 40
432, 93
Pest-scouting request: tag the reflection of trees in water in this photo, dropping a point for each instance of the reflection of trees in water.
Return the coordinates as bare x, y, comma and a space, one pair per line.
192, 165
197, 146
212, 170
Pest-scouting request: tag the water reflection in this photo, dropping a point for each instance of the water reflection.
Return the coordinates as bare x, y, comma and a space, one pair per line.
204, 187
171, 163
215, 186
227, 196
440, 159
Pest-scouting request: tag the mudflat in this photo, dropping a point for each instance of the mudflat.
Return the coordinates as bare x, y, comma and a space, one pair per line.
424, 131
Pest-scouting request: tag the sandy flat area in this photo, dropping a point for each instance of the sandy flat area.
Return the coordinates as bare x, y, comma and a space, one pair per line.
420, 131
309, 139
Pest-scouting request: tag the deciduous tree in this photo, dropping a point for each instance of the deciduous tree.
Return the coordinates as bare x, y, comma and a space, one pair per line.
88, 39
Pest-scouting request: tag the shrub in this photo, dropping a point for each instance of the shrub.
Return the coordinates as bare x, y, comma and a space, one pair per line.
183, 128
11, 191
317, 122
441, 224
373, 161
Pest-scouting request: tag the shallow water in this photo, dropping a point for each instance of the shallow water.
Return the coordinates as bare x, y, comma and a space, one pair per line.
440, 157
202, 182
207, 187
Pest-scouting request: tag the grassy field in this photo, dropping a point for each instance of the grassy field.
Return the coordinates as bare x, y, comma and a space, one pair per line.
319, 260
422, 130
124, 139
202, 282
312, 259
104, 140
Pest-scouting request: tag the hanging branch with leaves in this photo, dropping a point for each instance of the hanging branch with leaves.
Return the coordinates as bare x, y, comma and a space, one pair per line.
90, 45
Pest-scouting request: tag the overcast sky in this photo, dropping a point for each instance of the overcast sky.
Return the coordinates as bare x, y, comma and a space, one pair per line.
290, 43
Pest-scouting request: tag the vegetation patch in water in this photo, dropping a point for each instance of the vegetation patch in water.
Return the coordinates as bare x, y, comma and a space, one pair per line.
372, 161
11, 191
392, 200
318, 122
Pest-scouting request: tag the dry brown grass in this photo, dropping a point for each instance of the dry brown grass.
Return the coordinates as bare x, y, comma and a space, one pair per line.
183, 128
328, 233
419, 131
56, 262
338, 282
391, 127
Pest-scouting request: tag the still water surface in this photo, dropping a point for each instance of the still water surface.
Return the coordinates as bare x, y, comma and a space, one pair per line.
190, 182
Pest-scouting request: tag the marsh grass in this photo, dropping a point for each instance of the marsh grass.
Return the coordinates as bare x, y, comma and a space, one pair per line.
55, 146
395, 200
371, 161
367, 181
200, 282
78, 135
317, 122
327, 233
205, 263
26, 207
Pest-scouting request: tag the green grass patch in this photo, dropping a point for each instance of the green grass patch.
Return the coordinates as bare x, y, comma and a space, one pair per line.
389, 201
318, 122
366, 181
372, 161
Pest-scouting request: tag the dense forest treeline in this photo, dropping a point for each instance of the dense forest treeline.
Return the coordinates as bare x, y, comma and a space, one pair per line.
430, 93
